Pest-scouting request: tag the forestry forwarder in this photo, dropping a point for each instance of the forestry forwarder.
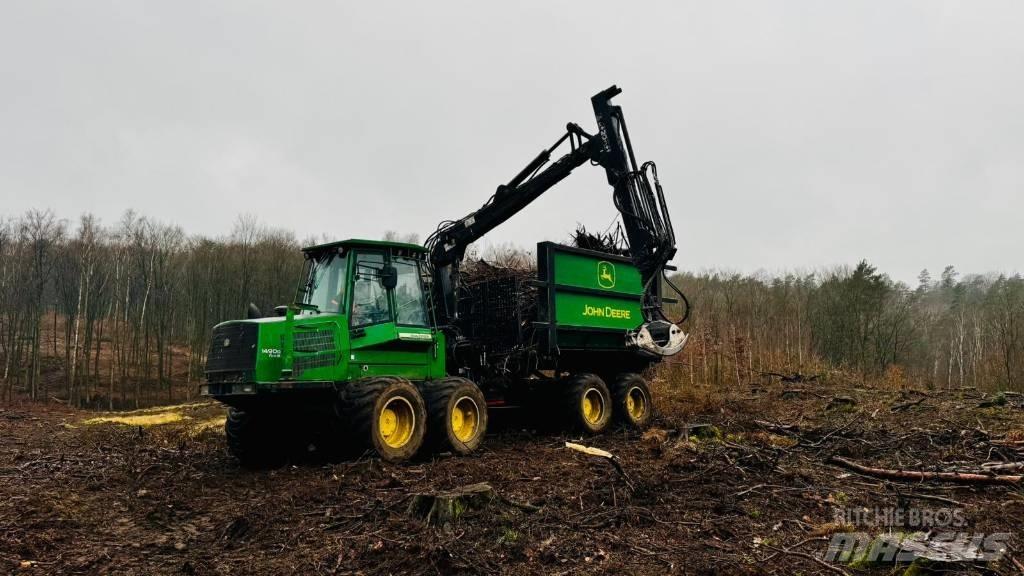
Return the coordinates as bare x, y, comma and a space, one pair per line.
391, 346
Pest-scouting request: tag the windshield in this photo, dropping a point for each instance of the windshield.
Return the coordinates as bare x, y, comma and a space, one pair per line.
326, 282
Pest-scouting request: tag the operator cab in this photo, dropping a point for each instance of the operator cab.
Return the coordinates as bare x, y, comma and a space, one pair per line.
370, 281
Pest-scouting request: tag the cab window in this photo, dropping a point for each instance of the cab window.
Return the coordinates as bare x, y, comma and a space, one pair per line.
409, 302
325, 286
369, 298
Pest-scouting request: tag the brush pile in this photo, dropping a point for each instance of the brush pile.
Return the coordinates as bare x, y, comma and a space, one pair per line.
498, 304
613, 242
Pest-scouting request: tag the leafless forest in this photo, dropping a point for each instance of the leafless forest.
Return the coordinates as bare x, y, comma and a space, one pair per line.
788, 382
118, 314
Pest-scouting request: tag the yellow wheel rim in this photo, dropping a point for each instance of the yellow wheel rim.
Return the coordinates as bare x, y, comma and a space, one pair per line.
397, 422
592, 405
636, 403
465, 419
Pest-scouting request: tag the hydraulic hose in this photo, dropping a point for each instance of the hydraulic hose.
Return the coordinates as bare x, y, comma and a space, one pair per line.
686, 301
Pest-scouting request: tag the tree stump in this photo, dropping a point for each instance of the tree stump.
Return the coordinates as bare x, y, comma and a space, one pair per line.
440, 508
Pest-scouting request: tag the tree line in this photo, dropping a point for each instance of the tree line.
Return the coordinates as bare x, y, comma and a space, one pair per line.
120, 315
951, 331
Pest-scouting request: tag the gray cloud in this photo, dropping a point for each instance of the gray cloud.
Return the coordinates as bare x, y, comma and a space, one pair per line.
788, 134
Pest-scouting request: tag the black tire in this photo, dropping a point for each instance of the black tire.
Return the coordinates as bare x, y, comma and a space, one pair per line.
363, 402
452, 400
634, 405
252, 439
588, 403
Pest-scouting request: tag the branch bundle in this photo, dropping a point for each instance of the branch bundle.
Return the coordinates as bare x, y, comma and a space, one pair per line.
981, 477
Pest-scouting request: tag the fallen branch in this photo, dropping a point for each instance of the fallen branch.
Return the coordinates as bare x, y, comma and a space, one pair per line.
933, 498
806, 556
790, 429
904, 405
959, 477
1003, 466
1007, 443
790, 393
794, 378
840, 401
590, 450
602, 454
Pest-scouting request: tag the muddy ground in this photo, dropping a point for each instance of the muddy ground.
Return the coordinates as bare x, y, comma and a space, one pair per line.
756, 493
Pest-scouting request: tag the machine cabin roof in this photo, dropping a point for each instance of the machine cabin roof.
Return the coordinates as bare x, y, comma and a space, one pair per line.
345, 245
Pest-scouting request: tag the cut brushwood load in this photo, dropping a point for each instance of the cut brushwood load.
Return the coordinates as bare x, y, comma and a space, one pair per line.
613, 242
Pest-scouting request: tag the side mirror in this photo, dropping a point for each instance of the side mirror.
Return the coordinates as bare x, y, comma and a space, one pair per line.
389, 277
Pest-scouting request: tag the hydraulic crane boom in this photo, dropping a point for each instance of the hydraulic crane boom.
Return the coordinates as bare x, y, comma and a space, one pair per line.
644, 214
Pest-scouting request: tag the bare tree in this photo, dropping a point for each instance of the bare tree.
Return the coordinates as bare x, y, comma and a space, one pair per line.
42, 232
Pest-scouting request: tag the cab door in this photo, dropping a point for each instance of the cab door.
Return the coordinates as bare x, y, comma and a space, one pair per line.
389, 332
417, 339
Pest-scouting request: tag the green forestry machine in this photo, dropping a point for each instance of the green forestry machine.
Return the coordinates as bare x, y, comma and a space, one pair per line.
389, 346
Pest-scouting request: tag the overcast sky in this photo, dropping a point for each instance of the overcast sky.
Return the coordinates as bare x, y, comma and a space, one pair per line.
787, 134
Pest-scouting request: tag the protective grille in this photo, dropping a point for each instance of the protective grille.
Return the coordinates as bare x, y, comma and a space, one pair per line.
233, 347
314, 340
303, 363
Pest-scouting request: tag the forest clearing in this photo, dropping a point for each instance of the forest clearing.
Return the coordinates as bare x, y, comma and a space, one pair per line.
738, 482
374, 289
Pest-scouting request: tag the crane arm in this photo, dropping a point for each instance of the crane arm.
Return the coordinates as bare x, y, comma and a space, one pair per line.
642, 207
449, 243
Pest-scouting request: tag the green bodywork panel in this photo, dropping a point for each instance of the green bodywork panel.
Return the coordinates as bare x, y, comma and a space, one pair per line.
308, 361
324, 349
308, 346
590, 300
609, 292
414, 353
585, 271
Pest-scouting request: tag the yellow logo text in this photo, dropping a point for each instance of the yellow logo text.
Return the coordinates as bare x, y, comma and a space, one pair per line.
606, 312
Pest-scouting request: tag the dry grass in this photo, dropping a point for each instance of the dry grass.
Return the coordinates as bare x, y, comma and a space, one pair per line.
213, 424
143, 420
158, 416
